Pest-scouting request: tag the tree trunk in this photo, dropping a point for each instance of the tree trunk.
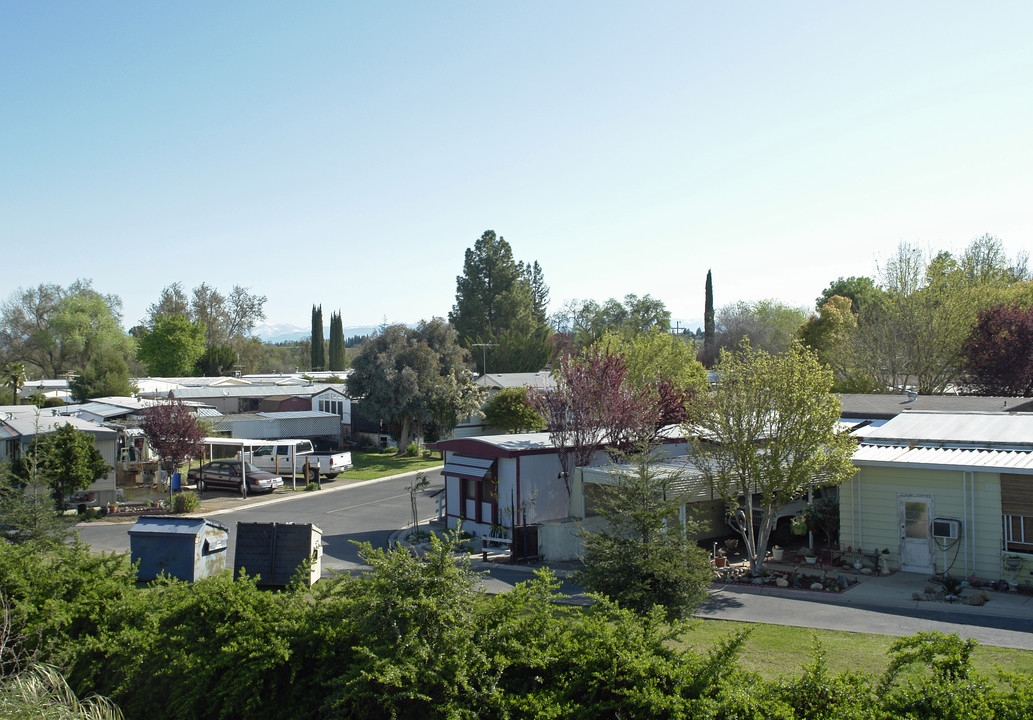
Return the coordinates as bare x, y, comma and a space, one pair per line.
403, 436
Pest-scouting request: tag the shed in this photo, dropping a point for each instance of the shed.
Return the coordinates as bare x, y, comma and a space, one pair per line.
185, 548
275, 551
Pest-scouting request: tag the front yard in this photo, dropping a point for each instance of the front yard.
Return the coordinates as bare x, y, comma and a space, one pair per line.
372, 465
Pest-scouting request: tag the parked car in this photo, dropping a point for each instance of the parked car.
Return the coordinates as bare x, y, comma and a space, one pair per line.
225, 475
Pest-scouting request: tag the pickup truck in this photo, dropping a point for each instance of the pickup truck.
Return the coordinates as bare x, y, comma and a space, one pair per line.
281, 456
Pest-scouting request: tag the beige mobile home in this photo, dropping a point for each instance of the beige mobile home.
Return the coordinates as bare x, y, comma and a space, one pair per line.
945, 492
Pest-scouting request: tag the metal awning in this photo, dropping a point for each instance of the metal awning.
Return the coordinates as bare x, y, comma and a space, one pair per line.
465, 466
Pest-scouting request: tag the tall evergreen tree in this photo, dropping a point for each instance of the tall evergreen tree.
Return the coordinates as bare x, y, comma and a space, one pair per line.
335, 354
318, 350
498, 297
709, 341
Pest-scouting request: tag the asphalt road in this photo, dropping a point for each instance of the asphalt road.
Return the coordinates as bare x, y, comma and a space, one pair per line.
364, 513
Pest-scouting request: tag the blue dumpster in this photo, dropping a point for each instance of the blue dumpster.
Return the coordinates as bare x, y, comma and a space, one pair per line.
176, 481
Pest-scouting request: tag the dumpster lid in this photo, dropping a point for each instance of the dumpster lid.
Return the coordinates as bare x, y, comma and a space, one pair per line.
173, 526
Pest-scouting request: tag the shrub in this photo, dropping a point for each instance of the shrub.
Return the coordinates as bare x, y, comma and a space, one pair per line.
311, 486
184, 502
412, 450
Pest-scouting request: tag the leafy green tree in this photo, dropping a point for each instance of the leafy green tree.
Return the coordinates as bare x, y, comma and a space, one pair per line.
509, 411
831, 334
172, 301
318, 361
227, 319
58, 330
65, 459
861, 291
335, 354
172, 346
645, 556
105, 375
587, 321
654, 354
216, 360
766, 434
416, 378
768, 324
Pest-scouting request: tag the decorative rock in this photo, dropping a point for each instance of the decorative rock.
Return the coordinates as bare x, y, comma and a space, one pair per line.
977, 599
917, 597
986, 595
758, 581
817, 586
781, 582
929, 590
866, 571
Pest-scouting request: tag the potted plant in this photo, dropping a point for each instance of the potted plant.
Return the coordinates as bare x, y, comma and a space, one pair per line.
809, 556
776, 553
798, 525
719, 559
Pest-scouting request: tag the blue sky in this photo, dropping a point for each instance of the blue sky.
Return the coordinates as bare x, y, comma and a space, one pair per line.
347, 154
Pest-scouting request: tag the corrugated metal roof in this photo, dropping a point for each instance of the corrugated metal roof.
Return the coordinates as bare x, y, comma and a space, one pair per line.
102, 410
687, 480
959, 458
511, 380
986, 430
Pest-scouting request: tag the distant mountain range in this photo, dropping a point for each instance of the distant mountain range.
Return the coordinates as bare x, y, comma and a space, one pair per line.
286, 332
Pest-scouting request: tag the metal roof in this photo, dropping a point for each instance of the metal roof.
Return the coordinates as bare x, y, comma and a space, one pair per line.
687, 480
467, 467
264, 391
975, 459
856, 405
982, 430
100, 409
27, 424
541, 379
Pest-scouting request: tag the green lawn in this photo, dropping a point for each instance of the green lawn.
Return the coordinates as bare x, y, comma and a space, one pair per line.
774, 651
371, 465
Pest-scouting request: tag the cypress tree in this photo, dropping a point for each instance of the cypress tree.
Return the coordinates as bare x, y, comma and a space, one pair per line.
709, 349
336, 349
318, 352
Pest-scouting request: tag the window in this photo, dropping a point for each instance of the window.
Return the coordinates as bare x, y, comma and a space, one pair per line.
1017, 512
1018, 533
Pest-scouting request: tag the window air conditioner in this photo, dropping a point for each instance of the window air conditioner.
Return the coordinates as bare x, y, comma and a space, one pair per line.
946, 528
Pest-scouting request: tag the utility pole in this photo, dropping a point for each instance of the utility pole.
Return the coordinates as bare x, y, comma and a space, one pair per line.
484, 355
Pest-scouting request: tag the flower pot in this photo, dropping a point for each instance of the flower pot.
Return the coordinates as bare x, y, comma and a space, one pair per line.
811, 559
720, 561
776, 554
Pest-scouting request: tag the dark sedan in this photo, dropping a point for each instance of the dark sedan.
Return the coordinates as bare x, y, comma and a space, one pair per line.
225, 475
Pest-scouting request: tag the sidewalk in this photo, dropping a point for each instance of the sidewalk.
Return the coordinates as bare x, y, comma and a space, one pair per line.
877, 604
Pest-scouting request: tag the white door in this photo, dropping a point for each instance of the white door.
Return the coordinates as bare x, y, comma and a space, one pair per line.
915, 513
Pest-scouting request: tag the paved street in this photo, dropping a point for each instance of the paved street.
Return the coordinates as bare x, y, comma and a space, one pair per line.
368, 511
